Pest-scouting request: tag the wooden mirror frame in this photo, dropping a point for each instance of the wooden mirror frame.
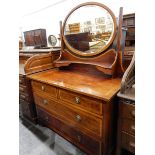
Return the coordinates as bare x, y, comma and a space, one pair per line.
98, 51
109, 61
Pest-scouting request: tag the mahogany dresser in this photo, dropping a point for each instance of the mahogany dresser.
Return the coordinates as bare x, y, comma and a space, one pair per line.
126, 121
27, 106
77, 98
77, 105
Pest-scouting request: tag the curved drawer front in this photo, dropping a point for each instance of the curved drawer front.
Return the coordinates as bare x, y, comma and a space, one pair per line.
44, 88
84, 102
85, 142
74, 117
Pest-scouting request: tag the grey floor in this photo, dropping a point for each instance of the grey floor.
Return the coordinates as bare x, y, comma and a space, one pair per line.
38, 140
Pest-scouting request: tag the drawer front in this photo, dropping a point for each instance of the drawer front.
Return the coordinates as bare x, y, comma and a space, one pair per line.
128, 142
88, 103
83, 141
24, 96
76, 118
44, 88
21, 80
128, 126
127, 110
22, 89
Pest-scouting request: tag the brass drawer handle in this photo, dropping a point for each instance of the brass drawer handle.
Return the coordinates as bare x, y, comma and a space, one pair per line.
42, 88
45, 102
132, 144
77, 100
79, 138
78, 118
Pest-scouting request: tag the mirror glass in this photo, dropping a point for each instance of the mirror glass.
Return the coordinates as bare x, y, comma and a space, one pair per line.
89, 29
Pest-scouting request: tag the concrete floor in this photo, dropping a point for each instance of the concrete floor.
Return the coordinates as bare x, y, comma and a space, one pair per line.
38, 140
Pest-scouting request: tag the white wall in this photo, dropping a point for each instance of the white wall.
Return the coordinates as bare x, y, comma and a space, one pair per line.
48, 13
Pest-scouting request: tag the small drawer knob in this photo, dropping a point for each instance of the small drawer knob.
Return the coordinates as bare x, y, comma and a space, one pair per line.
77, 100
42, 88
79, 138
45, 102
78, 118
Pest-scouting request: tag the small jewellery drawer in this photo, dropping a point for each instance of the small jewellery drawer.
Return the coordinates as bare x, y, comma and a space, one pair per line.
76, 118
128, 142
128, 126
44, 88
85, 142
85, 102
127, 111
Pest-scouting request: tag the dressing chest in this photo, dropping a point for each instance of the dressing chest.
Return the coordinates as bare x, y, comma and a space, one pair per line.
75, 95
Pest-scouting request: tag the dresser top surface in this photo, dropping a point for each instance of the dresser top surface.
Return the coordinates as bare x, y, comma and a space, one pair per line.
94, 85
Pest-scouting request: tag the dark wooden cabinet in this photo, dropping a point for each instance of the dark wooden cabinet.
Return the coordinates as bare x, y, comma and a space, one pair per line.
26, 99
126, 113
129, 23
27, 105
36, 38
126, 129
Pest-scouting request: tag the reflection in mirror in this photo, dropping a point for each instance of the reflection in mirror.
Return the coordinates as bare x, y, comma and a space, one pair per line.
89, 28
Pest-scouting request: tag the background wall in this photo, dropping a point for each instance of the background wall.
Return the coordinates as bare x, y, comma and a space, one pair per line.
47, 14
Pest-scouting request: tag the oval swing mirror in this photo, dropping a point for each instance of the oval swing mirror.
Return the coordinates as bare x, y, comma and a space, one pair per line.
89, 29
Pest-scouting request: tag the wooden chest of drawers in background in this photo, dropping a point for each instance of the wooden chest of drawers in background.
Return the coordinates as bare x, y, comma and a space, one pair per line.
27, 106
26, 99
126, 126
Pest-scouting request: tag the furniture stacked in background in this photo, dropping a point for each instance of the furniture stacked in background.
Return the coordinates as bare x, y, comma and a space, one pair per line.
36, 38
129, 50
27, 106
126, 121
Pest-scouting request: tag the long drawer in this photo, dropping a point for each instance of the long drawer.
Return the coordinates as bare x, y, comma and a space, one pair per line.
128, 142
44, 88
89, 145
84, 102
76, 118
